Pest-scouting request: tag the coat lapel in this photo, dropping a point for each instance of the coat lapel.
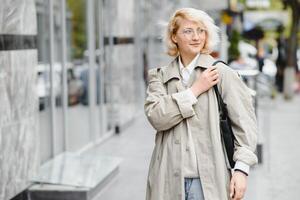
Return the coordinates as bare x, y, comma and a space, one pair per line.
172, 72
179, 86
203, 62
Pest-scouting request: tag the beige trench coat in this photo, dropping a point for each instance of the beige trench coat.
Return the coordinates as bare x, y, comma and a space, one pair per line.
169, 110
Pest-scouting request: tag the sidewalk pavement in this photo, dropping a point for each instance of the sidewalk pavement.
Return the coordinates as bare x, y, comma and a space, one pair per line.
134, 145
276, 178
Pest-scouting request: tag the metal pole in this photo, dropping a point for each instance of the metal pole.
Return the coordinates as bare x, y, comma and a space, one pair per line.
139, 52
113, 117
92, 64
64, 74
151, 33
52, 92
101, 65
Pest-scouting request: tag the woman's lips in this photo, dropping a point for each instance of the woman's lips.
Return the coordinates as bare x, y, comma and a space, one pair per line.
196, 44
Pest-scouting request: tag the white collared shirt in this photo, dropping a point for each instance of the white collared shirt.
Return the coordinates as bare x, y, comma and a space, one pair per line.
188, 70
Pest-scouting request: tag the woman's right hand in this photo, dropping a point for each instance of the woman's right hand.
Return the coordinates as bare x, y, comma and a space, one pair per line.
207, 79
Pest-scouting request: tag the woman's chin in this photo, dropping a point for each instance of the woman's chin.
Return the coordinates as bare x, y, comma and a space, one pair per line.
195, 51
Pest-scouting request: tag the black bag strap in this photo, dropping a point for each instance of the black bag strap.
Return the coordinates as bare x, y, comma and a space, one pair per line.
221, 104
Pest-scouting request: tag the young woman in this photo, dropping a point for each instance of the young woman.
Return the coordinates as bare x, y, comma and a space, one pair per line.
188, 161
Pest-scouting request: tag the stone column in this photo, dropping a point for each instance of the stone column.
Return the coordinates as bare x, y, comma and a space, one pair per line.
19, 142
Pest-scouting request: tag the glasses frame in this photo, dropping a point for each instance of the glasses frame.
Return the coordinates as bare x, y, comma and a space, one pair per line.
190, 33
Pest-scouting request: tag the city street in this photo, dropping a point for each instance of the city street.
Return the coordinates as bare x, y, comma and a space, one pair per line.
275, 179
73, 81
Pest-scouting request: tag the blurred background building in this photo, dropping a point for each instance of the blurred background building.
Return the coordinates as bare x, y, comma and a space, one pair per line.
73, 74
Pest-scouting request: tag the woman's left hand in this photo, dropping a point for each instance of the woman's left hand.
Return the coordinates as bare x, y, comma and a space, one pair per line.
238, 185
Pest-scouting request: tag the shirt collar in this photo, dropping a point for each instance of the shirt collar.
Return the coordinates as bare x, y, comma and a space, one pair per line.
190, 66
173, 70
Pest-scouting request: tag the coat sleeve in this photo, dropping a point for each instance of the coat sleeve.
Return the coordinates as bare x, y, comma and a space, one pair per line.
163, 110
242, 115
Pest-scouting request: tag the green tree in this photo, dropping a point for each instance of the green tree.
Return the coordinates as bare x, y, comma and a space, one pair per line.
294, 5
233, 50
79, 40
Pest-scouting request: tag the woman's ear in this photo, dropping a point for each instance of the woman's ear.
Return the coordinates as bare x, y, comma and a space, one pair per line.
174, 39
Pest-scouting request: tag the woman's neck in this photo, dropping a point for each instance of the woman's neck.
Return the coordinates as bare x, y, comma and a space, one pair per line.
187, 59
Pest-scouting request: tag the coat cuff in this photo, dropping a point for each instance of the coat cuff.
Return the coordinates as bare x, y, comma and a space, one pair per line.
245, 155
239, 165
185, 101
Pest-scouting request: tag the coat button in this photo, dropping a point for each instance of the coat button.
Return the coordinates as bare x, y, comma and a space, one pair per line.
187, 148
176, 174
177, 142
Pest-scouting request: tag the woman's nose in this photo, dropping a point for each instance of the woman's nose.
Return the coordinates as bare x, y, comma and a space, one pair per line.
196, 36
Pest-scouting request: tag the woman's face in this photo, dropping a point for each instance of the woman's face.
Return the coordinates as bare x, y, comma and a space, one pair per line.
190, 37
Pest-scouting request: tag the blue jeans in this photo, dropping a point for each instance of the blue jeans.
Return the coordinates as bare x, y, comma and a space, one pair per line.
193, 189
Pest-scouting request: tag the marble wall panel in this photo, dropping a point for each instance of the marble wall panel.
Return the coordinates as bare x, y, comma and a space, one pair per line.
18, 85
18, 121
1, 18
19, 142
4, 99
8, 166
125, 15
19, 156
123, 71
124, 81
18, 17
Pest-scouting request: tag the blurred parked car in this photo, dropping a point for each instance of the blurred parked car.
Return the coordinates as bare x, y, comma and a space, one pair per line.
82, 71
75, 88
75, 85
43, 85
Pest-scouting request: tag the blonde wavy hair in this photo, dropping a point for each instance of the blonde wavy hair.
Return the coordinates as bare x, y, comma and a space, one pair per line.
198, 16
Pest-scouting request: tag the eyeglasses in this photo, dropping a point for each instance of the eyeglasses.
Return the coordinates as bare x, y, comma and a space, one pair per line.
188, 32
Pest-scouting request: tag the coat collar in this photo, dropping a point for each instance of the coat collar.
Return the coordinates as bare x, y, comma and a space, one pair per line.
205, 61
172, 70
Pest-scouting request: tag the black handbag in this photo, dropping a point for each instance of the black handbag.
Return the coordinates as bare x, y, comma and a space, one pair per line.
225, 125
